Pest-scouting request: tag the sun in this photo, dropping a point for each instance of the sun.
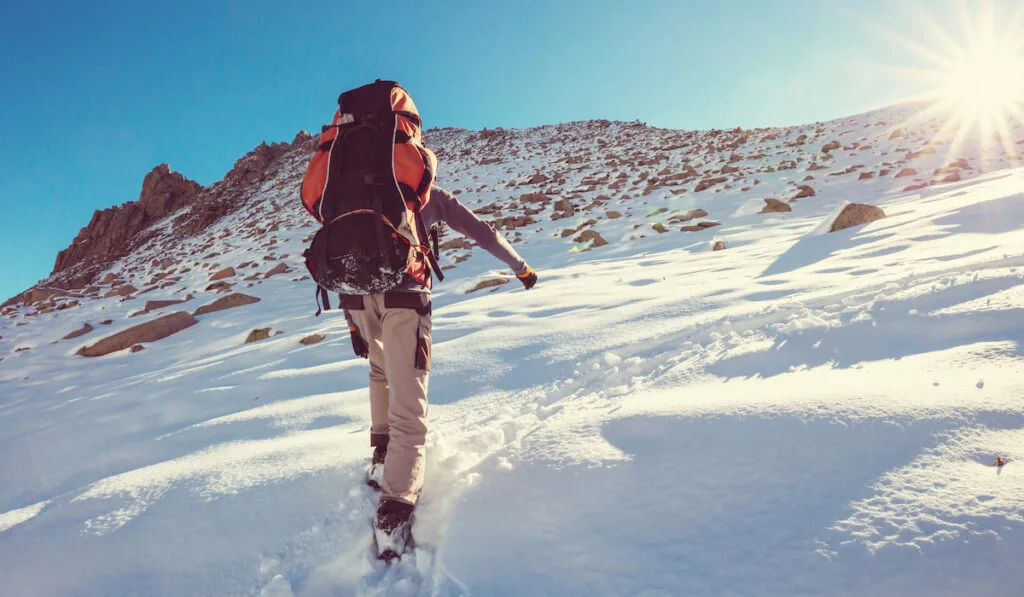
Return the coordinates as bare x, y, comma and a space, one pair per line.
974, 81
985, 84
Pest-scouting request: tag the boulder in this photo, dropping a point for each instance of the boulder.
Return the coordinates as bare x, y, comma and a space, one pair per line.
831, 146
227, 272
488, 284
257, 335
280, 268
80, 332
775, 206
458, 243
803, 191
613, 215
591, 235
906, 172
156, 305
235, 299
312, 339
708, 183
125, 290
700, 226
719, 246
151, 331
856, 214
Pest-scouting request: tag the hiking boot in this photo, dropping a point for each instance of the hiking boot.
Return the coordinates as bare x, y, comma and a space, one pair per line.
375, 474
393, 533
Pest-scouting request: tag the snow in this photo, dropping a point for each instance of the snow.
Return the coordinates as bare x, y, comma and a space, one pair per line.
804, 413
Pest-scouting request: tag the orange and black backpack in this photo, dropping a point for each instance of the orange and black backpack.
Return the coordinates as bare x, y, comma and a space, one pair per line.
366, 184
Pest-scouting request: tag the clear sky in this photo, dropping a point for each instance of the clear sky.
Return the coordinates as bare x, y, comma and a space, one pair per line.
95, 94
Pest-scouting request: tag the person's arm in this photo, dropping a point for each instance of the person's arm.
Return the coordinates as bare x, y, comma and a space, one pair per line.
462, 220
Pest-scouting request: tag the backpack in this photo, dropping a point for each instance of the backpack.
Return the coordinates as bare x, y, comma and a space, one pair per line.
366, 184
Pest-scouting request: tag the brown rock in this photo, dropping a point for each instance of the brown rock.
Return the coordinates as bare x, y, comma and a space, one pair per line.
114, 232
700, 226
613, 215
906, 172
138, 348
775, 206
227, 272
151, 331
952, 177
708, 183
107, 322
280, 268
856, 214
155, 305
537, 178
591, 235
80, 332
719, 246
236, 299
312, 339
803, 191
831, 146
865, 176
257, 335
659, 228
534, 198
488, 284
125, 290
458, 243
219, 287
896, 134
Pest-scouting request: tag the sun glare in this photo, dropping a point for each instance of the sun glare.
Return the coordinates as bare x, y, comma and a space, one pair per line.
975, 81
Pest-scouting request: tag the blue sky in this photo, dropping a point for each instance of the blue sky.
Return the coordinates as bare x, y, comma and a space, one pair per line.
95, 94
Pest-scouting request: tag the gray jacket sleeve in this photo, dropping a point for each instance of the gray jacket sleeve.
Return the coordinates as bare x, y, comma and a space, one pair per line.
451, 211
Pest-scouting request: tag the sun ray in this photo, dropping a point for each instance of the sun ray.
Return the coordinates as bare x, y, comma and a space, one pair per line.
971, 74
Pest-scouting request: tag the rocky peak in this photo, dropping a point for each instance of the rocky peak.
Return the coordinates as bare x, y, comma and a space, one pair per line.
114, 232
255, 165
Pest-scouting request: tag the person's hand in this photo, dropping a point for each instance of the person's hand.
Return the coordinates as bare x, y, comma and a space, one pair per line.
359, 346
528, 278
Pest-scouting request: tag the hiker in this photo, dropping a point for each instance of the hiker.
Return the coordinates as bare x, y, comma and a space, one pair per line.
393, 331
370, 183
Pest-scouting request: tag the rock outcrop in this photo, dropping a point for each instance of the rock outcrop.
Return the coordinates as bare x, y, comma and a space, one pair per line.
113, 233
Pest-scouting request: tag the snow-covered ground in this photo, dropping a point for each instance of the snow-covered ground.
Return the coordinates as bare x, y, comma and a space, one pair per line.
799, 414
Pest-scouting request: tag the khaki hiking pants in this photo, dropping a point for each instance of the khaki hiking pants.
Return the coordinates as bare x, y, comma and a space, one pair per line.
396, 326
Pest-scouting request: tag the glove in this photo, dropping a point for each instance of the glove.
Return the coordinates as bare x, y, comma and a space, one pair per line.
528, 278
359, 346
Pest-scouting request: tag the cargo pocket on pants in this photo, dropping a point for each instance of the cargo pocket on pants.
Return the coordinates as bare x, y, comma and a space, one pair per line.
422, 350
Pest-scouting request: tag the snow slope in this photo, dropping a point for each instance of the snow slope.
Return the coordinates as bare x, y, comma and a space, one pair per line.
799, 414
